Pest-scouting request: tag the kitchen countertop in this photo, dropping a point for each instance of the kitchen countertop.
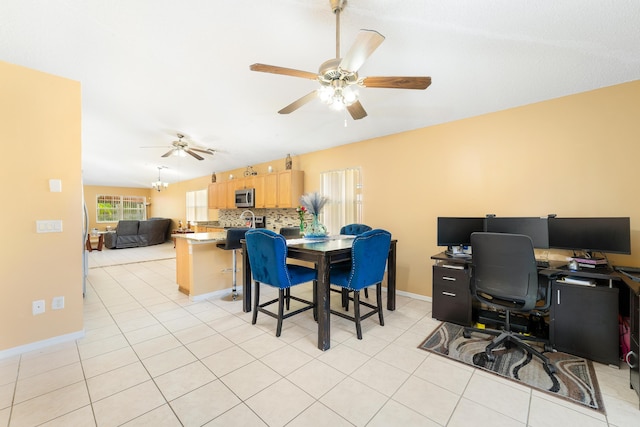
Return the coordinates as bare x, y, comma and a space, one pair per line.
219, 236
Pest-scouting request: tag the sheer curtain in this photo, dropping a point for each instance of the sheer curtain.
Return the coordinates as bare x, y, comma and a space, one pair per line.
343, 188
197, 205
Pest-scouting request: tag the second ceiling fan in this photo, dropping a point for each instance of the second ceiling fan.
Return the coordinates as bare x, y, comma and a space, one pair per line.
339, 78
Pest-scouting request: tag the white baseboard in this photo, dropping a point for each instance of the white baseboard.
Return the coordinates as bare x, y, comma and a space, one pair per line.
222, 292
410, 295
4, 354
414, 296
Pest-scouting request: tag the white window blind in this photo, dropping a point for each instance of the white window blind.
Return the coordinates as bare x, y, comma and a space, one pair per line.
198, 205
343, 188
112, 208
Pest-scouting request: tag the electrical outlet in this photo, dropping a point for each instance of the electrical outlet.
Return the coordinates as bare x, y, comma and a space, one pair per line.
37, 307
57, 303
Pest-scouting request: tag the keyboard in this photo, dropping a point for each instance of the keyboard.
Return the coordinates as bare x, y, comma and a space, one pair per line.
543, 263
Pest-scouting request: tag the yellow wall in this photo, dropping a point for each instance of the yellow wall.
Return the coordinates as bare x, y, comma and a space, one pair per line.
91, 193
572, 156
41, 140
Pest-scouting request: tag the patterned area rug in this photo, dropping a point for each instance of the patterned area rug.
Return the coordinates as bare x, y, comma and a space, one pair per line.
574, 379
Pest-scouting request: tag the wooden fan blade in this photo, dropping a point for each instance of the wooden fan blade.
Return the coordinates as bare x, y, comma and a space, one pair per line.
285, 71
203, 150
194, 155
298, 103
357, 111
168, 153
397, 82
366, 42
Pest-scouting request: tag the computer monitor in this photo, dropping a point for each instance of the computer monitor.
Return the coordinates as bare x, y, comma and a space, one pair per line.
456, 231
535, 227
608, 235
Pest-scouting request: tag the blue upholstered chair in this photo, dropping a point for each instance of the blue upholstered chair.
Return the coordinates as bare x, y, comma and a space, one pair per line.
267, 253
369, 258
354, 229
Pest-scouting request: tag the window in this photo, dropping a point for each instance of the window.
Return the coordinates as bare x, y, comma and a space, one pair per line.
114, 208
343, 188
197, 205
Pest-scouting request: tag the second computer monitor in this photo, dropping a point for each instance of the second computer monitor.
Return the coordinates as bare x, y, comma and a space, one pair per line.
535, 227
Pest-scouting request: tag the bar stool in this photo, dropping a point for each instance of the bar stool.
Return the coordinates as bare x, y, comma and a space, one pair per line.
234, 235
290, 232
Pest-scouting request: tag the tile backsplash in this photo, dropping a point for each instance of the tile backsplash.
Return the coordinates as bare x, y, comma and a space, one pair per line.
275, 218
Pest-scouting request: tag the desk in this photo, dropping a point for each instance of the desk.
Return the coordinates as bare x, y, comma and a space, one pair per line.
583, 320
322, 254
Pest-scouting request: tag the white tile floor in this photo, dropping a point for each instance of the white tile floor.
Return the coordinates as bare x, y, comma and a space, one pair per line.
151, 357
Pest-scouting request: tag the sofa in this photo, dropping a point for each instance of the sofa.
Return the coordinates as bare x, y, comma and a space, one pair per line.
134, 233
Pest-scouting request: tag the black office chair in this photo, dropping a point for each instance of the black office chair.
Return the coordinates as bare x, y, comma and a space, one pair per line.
234, 235
504, 276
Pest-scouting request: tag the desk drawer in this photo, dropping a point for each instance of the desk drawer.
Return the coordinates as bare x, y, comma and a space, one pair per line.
450, 275
451, 296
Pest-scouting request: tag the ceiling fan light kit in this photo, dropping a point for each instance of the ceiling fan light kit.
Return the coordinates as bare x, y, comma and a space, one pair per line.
339, 78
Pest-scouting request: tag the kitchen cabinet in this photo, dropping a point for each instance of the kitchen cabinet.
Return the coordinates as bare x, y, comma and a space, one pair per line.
248, 182
258, 184
271, 190
218, 195
221, 191
232, 186
290, 188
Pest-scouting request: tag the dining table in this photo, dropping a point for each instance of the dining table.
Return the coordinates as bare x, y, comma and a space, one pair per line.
321, 252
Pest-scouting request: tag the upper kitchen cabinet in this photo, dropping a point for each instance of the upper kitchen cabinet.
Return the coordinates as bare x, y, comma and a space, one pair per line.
258, 184
279, 189
290, 188
270, 191
218, 195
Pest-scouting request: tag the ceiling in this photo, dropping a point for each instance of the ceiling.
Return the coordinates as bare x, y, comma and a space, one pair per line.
152, 68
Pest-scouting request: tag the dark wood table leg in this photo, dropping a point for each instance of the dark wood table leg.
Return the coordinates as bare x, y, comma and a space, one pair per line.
100, 241
246, 280
391, 278
323, 299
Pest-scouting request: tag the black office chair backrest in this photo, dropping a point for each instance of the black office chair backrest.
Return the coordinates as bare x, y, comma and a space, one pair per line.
504, 267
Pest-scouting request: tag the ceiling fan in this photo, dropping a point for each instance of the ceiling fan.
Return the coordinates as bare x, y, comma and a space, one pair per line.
182, 148
339, 78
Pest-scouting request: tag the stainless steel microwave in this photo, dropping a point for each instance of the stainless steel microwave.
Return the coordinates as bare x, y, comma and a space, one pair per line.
245, 198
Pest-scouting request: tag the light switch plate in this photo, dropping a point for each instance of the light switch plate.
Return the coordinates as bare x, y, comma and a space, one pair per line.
49, 226
57, 303
55, 185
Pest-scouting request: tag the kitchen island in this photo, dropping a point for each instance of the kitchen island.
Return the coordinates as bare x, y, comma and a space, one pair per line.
201, 265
